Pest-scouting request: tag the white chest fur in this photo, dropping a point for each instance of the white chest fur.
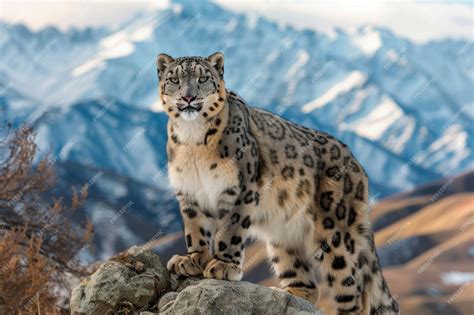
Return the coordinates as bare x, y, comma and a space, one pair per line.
199, 173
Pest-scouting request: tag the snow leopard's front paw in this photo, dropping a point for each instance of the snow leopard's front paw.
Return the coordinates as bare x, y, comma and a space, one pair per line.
189, 265
218, 269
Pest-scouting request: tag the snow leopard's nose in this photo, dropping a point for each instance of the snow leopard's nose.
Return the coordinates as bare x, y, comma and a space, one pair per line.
189, 99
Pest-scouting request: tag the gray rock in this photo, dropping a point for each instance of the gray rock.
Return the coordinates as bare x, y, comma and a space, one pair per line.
230, 297
136, 281
131, 280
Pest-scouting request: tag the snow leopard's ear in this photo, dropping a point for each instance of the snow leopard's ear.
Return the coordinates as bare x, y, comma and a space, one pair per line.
217, 61
162, 61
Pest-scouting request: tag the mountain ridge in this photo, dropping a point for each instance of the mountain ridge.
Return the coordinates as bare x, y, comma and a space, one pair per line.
391, 115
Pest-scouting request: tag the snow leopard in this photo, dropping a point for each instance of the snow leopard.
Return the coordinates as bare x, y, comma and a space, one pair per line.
242, 173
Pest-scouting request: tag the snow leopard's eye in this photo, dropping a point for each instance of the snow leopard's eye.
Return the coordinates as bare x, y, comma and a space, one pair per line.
174, 80
203, 79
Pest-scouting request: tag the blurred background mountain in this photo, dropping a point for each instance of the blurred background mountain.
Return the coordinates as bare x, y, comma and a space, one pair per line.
401, 99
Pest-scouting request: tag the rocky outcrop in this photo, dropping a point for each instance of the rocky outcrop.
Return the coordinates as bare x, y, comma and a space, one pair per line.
136, 281
132, 280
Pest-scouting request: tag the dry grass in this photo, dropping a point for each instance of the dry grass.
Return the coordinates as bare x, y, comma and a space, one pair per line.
26, 285
38, 245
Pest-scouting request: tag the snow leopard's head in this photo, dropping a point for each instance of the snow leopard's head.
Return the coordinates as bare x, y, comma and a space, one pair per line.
191, 87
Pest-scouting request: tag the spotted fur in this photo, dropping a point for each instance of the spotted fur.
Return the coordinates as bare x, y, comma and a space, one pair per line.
242, 172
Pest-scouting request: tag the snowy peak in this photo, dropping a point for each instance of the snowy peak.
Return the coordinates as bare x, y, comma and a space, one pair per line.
352, 81
385, 96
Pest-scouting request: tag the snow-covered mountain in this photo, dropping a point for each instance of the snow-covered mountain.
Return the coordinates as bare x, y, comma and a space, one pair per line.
123, 212
405, 109
110, 135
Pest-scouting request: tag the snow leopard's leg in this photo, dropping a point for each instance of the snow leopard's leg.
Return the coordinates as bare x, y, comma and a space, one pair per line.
198, 231
294, 271
345, 250
229, 239
338, 261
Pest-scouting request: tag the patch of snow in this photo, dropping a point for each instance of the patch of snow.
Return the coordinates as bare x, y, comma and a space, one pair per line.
167, 218
252, 20
360, 96
392, 55
353, 80
303, 58
294, 75
66, 150
231, 25
101, 214
88, 66
120, 50
43, 138
114, 46
468, 108
453, 143
272, 56
142, 34
110, 41
330, 33
150, 194
379, 120
368, 41
398, 145
113, 188
177, 8
457, 277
